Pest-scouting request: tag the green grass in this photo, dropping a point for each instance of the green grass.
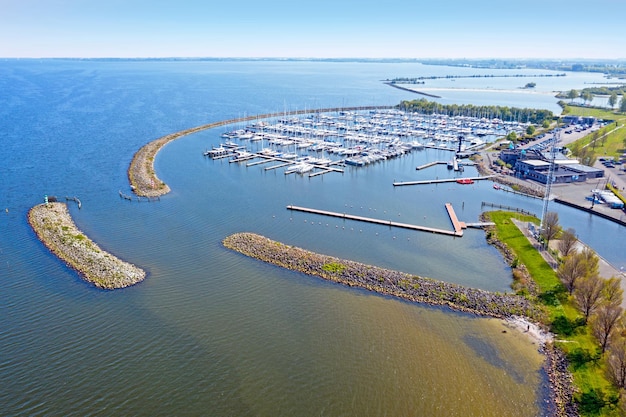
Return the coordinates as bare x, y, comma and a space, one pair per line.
613, 144
593, 112
334, 267
509, 233
587, 367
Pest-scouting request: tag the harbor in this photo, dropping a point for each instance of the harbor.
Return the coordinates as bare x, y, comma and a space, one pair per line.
317, 143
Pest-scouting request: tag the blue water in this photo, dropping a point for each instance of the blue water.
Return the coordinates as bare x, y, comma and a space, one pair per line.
212, 332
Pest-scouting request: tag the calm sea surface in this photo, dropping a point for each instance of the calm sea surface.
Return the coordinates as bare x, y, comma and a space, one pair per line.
211, 332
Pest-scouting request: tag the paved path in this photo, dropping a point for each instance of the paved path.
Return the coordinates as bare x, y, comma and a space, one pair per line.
606, 270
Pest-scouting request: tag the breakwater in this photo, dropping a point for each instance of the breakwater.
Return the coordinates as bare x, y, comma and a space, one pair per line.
392, 84
142, 177
55, 228
380, 280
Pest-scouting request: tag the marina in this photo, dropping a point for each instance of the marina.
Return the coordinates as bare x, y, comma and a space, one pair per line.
355, 138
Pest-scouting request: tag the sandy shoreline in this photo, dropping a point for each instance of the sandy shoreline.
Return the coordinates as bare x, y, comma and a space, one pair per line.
55, 228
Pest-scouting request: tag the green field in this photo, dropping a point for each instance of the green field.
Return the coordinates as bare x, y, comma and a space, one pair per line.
608, 141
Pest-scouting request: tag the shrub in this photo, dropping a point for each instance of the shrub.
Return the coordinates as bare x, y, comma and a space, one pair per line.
334, 267
566, 327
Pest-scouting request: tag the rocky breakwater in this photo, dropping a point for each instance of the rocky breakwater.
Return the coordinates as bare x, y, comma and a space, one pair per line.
55, 228
380, 280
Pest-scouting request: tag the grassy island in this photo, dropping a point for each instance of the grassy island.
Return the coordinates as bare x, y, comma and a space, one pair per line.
55, 228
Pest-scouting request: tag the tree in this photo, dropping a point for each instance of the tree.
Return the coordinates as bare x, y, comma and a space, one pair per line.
617, 361
587, 96
588, 294
545, 124
572, 270
604, 323
530, 130
572, 94
622, 105
567, 242
550, 227
613, 99
612, 292
591, 261
512, 136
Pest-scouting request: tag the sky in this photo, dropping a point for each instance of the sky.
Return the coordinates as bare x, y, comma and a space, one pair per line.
313, 29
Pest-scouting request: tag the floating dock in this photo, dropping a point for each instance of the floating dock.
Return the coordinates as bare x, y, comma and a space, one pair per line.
457, 232
430, 164
438, 181
456, 224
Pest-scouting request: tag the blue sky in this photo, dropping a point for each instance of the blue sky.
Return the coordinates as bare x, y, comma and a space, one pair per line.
319, 29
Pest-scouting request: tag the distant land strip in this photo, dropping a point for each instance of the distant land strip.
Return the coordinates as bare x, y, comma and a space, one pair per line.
55, 228
446, 77
142, 177
399, 87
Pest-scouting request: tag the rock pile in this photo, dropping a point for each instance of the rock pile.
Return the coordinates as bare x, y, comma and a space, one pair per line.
383, 281
55, 228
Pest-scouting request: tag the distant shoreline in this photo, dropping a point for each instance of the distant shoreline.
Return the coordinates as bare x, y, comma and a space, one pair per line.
56, 230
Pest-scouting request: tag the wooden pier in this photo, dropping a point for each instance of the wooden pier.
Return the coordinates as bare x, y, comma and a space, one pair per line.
458, 232
456, 224
438, 181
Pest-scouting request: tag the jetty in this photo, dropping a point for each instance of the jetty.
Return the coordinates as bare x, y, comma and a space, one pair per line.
457, 232
430, 164
57, 231
438, 181
383, 281
456, 224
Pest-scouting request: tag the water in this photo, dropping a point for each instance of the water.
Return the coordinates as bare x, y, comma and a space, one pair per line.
211, 332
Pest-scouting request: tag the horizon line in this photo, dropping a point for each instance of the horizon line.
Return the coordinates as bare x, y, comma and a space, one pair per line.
278, 58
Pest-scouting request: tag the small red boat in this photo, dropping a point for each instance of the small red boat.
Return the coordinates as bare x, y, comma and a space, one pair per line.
465, 181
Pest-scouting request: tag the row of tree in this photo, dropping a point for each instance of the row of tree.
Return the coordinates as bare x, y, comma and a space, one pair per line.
598, 299
525, 115
587, 96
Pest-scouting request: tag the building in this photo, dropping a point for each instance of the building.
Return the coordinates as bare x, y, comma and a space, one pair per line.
565, 171
578, 120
